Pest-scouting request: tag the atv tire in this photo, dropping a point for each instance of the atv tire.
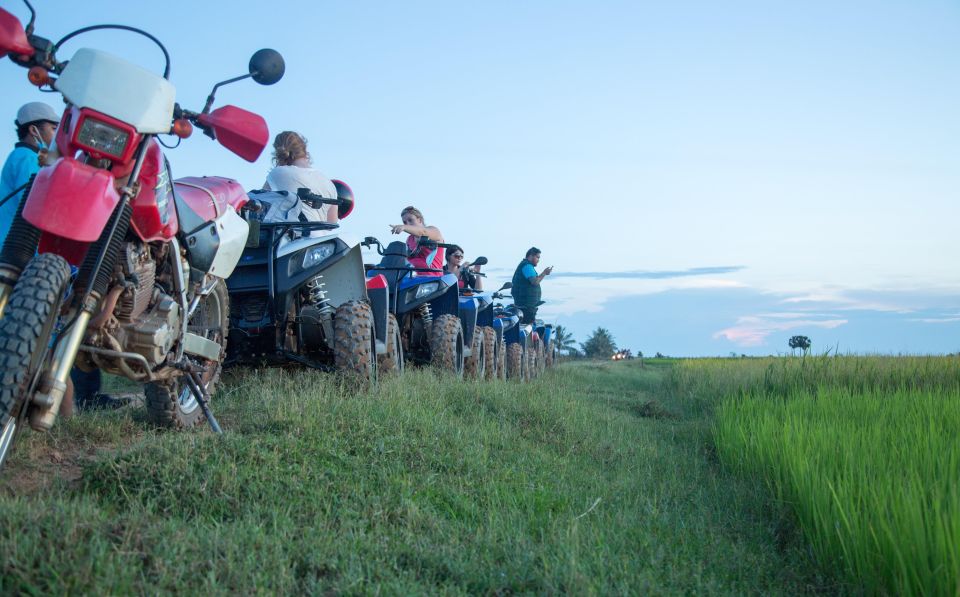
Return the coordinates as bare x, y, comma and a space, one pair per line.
491, 352
475, 365
355, 342
515, 367
25, 331
446, 344
502, 360
391, 363
170, 403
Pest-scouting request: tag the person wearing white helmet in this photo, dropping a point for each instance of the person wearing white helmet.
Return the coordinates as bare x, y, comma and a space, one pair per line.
36, 123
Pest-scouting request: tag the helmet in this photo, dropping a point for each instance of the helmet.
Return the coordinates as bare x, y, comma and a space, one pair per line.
345, 195
36, 111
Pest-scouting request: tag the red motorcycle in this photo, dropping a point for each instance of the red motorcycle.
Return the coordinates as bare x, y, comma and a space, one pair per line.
148, 301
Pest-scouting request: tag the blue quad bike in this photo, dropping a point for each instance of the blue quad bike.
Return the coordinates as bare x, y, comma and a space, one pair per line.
526, 346
434, 324
477, 309
299, 294
497, 321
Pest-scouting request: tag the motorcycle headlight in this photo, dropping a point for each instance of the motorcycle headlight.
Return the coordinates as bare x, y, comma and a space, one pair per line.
424, 290
317, 255
98, 137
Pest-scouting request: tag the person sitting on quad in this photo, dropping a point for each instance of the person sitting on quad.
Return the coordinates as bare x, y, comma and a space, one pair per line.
526, 285
293, 170
466, 273
421, 257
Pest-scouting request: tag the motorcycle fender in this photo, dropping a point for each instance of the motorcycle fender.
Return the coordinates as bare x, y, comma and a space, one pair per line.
233, 231
71, 200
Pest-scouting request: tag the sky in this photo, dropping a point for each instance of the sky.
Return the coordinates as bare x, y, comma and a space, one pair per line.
705, 177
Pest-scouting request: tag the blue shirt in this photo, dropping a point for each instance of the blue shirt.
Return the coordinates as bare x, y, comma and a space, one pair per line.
21, 164
528, 271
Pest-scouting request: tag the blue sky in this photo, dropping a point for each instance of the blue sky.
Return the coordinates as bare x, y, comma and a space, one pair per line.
735, 172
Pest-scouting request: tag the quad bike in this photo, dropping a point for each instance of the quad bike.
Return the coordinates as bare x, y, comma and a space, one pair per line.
300, 295
524, 353
149, 300
477, 310
545, 331
496, 321
424, 310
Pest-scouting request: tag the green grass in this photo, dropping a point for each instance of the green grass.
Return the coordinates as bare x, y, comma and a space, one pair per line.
861, 450
593, 480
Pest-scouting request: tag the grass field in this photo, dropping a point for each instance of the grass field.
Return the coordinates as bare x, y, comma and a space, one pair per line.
862, 451
596, 479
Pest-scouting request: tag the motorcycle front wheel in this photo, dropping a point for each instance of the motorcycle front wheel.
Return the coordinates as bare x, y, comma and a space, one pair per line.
25, 333
170, 403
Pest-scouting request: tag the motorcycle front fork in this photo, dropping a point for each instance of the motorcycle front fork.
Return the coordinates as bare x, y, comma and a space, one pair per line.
53, 384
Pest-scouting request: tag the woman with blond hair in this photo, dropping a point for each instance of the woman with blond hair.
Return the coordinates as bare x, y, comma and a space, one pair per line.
421, 257
294, 170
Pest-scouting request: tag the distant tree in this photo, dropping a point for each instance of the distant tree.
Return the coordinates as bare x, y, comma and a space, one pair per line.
564, 340
599, 345
660, 355
801, 342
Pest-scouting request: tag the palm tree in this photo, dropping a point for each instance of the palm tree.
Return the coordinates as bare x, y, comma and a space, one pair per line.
564, 339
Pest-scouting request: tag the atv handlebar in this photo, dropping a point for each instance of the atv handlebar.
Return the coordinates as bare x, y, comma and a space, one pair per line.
314, 200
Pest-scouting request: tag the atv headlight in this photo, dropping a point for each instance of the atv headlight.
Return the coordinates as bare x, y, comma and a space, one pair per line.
318, 254
310, 257
423, 290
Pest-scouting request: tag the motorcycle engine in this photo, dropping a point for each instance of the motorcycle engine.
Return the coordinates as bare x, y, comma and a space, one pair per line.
146, 320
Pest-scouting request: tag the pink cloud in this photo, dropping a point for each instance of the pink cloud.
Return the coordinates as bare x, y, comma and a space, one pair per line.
753, 330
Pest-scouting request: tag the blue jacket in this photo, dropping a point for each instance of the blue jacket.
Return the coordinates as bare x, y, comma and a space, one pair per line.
21, 164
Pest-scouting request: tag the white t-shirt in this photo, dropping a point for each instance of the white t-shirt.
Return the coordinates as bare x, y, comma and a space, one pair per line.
291, 178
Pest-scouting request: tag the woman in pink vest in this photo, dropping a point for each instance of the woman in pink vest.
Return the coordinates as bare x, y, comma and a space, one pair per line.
423, 257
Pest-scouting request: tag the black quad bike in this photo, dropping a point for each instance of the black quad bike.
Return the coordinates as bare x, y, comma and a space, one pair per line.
299, 294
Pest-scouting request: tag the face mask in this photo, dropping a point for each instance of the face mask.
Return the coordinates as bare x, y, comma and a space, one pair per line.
39, 139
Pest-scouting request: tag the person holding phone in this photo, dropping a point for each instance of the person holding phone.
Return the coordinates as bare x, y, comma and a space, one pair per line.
526, 285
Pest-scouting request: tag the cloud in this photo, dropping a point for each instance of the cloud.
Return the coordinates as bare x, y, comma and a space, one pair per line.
945, 319
566, 296
753, 330
653, 274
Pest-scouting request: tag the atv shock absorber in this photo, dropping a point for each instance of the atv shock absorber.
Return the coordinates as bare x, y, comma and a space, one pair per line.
426, 315
316, 294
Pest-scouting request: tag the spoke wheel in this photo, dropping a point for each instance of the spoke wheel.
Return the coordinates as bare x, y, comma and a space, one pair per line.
170, 403
26, 331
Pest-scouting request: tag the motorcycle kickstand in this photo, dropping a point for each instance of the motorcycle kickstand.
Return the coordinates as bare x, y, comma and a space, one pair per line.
193, 380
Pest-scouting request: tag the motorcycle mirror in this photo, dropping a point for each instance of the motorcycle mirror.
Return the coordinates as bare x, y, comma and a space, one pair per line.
242, 132
480, 261
266, 66
13, 39
506, 286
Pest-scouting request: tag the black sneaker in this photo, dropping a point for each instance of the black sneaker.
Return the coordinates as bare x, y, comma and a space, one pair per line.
101, 402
